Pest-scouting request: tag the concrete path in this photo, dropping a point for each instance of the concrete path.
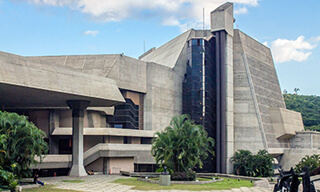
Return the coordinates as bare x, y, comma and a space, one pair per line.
101, 183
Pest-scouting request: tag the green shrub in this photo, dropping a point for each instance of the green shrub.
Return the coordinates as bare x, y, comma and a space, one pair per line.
161, 169
312, 162
247, 164
7, 180
241, 161
182, 145
20, 142
188, 175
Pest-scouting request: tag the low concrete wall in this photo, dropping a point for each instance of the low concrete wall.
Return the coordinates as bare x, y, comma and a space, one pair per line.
292, 156
120, 164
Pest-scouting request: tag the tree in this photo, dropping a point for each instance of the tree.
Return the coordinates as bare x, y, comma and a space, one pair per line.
241, 161
296, 90
182, 145
312, 162
20, 142
253, 165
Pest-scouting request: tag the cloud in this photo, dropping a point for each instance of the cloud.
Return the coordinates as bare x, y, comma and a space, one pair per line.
172, 12
241, 10
285, 50
93, 33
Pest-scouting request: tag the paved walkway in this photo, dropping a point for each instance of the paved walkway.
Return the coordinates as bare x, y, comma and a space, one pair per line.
101, 183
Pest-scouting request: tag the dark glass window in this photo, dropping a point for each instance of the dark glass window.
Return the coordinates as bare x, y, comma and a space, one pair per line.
193, 94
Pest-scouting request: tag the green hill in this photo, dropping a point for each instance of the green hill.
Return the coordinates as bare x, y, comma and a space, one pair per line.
308, 106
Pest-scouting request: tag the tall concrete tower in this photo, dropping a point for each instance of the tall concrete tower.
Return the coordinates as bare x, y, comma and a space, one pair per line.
222, 29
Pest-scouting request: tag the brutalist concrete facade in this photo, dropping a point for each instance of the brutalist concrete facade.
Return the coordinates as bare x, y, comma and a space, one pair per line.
250, 110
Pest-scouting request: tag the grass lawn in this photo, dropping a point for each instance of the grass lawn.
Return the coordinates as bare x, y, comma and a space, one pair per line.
47, 188
226, 184
199, 179
73, 181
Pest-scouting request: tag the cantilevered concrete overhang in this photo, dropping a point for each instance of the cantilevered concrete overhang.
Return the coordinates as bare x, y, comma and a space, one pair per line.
24, 83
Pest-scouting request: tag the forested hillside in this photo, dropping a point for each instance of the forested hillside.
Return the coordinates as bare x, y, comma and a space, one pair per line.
308, 106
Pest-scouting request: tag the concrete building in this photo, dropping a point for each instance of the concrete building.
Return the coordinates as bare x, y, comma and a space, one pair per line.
100, 112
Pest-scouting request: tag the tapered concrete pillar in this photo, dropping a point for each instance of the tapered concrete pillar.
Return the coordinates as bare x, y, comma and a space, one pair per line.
78, 107
222, 27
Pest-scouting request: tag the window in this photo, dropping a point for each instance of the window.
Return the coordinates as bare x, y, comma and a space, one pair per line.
118, 126
125, 140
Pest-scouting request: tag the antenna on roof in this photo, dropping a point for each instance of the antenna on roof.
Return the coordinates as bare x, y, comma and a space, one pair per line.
203, 18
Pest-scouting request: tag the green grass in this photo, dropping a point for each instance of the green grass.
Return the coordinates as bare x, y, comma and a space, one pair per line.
198, 178
73, 181
221, 185
48, 188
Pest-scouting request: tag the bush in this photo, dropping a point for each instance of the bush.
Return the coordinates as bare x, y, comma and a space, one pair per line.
161, 169
312, 162
241, 161
7, 180
188, 175
20, 142
247, 164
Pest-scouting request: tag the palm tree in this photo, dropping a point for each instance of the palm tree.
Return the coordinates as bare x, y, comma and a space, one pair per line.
182, 145
20, 142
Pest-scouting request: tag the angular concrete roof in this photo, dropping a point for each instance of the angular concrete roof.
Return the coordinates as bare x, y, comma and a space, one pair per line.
26, 83
168, 53
127, 72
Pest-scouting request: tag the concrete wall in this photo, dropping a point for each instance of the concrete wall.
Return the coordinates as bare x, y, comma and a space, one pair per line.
90, 141
128, 73
120, 164
306, 139
135, 140
292, 156
41, 119
164, 97
260, 74
247, 132
115, 139
91, 119
96, 166
133, 96
285, 122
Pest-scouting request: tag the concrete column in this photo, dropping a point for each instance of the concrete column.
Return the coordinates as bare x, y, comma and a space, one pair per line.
222, 26
78, 107
53, 124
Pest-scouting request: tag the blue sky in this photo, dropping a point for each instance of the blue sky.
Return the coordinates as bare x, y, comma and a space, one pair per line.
71, 27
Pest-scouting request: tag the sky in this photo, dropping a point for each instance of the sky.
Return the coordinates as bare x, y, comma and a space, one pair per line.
290, 28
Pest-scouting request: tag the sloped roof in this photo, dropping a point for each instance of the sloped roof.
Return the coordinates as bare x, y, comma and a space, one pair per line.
168, 53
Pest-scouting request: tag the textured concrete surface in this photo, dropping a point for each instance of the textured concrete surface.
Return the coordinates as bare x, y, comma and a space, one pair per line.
222, 18
247, 130
306, 139
127, 72
257, 91
285, 122
46, 85
140, 153
167, 58
106, 131
292, 156
99, 183
227, 11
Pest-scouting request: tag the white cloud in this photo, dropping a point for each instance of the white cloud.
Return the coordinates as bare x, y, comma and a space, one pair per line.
284, 50
241, 10
93, 33
172, 12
